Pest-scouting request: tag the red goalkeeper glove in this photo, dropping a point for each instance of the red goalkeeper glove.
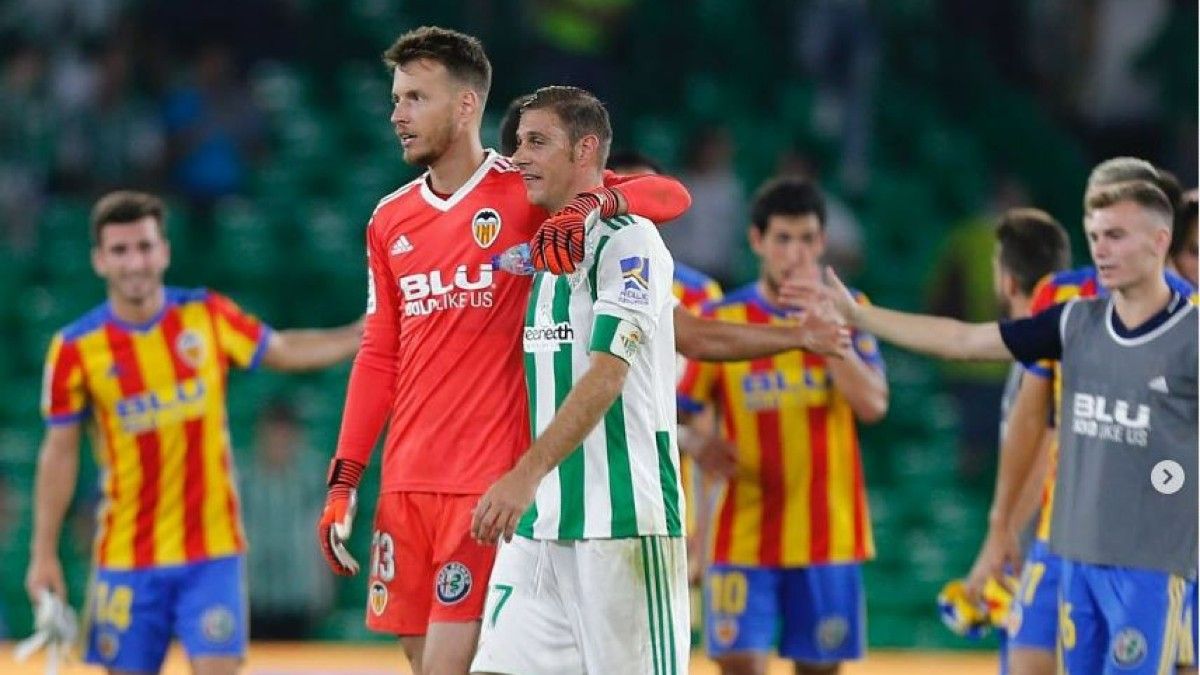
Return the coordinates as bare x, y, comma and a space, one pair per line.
333, 531
557, 247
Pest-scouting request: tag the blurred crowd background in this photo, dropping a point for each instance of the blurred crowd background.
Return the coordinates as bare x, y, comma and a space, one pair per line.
265, 124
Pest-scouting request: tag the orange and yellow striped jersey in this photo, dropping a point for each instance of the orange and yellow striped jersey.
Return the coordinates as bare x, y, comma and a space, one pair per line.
1056, 289
798, 498
692, 288
154, 395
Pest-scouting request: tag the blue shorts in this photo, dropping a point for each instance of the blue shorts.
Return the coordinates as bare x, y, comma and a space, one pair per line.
132, 615
1120, 620
813, 614
1033, 619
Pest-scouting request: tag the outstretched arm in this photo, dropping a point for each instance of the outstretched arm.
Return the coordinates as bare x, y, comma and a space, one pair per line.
937, 336
712, 340
311, 349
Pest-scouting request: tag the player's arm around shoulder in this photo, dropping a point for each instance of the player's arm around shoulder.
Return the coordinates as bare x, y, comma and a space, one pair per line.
54, 485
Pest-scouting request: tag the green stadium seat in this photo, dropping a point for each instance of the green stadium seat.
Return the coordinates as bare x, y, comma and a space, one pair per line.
245, 248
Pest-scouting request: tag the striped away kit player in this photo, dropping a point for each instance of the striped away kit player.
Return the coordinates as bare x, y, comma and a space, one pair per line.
153, 396
596, 578
791, 528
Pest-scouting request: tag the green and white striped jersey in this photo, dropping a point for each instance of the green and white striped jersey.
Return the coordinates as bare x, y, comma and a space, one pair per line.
623, 481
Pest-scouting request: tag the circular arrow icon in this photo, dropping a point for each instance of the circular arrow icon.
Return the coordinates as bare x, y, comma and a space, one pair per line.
1167, 477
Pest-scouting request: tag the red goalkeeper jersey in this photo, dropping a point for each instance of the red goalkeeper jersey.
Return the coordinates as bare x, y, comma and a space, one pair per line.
440, 358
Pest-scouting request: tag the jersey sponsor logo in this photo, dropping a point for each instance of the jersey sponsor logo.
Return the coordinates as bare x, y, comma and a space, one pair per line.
1093, 418
545, 335
771, 389
401, 246
217, 624
190, 347
151, 409
453, 583
431, 292
485, 227
832, 632
378, 598
635, 275
1129, 648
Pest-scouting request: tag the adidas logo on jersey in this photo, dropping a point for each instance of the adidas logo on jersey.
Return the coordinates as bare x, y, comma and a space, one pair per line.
1159, 384
401, 245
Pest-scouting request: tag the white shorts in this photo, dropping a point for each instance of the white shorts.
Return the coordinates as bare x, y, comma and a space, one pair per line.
589, 606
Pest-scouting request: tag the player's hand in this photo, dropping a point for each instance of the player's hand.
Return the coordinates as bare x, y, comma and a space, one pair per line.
822, 298
557, 246
44, 574
714, 455
823, 332
337, 519
1001, 550
501, 507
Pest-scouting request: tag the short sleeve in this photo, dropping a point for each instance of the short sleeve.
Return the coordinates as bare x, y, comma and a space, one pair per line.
631, 283
64, 396
240, 336
1034, 338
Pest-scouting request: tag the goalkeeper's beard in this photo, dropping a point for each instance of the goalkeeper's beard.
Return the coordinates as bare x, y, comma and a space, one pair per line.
435, 144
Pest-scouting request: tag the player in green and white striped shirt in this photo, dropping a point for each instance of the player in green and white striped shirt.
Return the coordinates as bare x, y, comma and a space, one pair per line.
595, 579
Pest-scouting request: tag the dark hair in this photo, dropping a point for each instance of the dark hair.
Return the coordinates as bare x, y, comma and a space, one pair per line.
786, 196
126, 206
1185, 222
1032, 244
461, 54
1143, 193
509, 124
581, 113
627, 159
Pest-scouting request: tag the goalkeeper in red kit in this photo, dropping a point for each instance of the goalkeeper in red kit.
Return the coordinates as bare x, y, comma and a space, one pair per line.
440, 360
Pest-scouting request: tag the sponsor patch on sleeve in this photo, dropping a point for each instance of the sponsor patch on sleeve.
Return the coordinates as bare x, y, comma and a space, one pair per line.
635, 281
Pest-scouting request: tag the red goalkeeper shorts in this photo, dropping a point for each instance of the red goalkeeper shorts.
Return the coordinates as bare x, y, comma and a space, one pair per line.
425, 567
